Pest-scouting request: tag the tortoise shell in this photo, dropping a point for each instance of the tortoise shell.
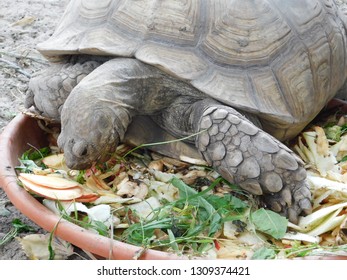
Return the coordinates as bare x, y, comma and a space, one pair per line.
281, 60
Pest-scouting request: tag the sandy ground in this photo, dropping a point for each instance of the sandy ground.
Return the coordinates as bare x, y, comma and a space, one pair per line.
23, 24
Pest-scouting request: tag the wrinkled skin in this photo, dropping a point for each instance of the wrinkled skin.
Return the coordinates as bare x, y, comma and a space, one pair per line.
236, 147
82, 150
91, 133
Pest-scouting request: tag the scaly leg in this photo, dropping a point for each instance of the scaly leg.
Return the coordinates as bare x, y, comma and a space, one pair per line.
246, 155
49, 88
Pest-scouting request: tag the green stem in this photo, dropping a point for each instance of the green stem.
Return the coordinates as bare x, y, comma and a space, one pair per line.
161, 143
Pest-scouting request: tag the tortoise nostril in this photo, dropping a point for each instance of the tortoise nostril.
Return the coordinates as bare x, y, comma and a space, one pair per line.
84, 152
80, 149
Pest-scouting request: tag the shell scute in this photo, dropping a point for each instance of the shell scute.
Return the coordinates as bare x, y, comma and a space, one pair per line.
281, 60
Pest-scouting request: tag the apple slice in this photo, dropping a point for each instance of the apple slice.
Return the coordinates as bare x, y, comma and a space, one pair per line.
96, 184
100, 183
50, 181
55, 194
88, 197
56, 161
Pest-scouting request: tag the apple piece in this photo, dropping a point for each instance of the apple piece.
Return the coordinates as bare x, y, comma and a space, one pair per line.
87, 198
97, 185
55, 161
55, 194
100, 183
50, 181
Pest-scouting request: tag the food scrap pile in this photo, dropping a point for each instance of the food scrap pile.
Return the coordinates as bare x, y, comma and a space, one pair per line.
155, 202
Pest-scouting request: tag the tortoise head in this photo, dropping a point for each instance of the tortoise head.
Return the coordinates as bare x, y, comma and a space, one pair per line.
88, 135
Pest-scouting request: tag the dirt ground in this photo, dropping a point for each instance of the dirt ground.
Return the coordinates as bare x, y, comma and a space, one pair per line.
23, 24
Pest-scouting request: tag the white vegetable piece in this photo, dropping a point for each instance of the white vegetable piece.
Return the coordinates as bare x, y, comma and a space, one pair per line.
100, 213
329, 224
323, 162
319, 182
301, 237
313, 220
144, 209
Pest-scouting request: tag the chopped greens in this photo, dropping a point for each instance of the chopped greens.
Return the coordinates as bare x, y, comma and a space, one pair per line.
31, 159
191, 219
333, 132
36, 154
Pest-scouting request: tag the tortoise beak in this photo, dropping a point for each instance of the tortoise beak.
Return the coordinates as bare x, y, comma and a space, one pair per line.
78, 154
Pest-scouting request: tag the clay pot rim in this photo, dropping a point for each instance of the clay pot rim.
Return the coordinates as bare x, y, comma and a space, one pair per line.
11, 140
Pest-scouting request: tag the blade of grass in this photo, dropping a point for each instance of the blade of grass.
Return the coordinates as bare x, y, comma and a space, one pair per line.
17, 227
162, 143
8, 236
173, 242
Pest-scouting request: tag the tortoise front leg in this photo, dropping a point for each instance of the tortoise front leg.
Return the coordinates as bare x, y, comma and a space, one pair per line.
49, 88
246, 155
253, 159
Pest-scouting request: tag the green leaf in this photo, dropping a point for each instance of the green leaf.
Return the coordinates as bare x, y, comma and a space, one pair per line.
270, 222
26, 165
141, 234
100, 227
36, 154
173, 242
343, 129
333, 132
264, 254
30, 159
21, 227
80, 177
228, 206
195, 198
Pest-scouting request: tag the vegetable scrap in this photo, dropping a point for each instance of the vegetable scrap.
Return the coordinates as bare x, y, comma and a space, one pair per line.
37, 247
155, 202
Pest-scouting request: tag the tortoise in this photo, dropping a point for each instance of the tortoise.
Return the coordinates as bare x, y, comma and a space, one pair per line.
240, 77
